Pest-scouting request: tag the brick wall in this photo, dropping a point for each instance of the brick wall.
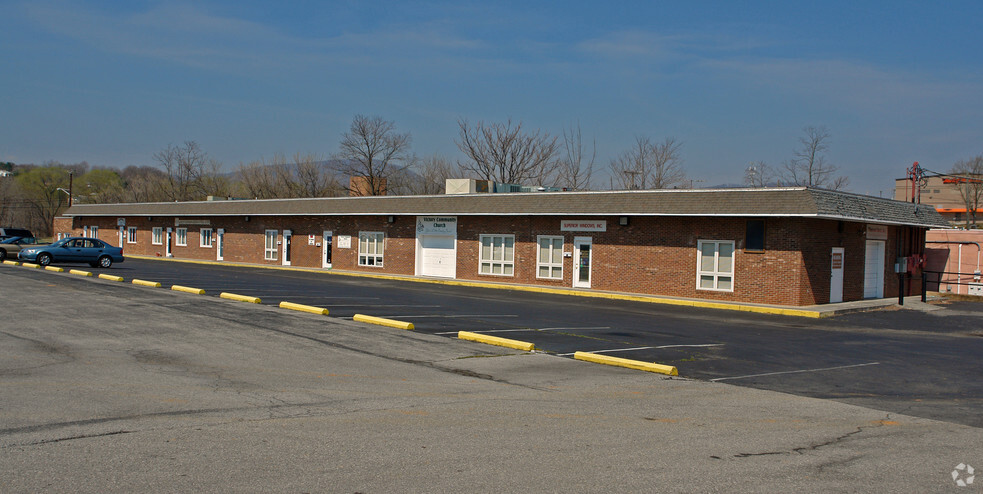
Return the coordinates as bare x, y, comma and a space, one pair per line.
650, 255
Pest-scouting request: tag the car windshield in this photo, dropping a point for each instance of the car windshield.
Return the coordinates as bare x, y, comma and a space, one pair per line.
60, 242
19, 240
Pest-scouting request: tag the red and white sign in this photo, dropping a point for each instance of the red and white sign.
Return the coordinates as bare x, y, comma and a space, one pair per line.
583, 226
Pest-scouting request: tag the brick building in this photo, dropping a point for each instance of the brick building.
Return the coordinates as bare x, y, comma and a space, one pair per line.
789, 246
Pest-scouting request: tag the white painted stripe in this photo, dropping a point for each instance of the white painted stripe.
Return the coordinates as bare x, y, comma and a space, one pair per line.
451, 317
376, 305
524, 330
794, 371
643, 348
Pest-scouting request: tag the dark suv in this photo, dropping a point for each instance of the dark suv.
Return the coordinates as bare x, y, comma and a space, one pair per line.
6, 232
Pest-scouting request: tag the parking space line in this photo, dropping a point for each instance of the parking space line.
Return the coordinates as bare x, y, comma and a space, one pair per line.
794, 371
456, 316
642, 348
524, 329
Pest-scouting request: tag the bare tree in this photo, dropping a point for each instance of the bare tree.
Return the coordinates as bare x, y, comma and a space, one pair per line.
311, 178
649, 166
433, 173
44, 193
809, 167
190, 173
144, 184
576, 167
373, 150
507, 154
970, 184
759, 174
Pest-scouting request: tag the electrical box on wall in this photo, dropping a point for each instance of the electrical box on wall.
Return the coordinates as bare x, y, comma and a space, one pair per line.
975, 289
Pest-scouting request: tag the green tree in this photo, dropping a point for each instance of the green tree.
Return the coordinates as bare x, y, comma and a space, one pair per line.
44, 191
99, 186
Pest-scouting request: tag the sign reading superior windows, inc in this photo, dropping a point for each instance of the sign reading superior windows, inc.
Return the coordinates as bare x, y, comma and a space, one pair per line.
436, 225
583, 226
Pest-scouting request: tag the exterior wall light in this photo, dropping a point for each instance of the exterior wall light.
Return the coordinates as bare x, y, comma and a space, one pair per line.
391, 219
623, 220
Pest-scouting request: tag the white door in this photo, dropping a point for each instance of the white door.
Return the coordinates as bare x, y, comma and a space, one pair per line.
836, 275
122, 235
438, 256
220, 244
167, 245
286, 247
874, 269
582, 254
326, 238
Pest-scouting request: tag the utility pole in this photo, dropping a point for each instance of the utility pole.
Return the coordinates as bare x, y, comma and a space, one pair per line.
632, 174
915, 174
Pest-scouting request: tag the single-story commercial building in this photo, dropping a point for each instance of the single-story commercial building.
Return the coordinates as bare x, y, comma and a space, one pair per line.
789, 246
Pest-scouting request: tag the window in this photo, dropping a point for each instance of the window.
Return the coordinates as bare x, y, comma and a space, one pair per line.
550, 259
497, 253
94, 231
131, 235
370, 248
754, 237
715, 265
182, 237
205, 237
270, 252
158, 236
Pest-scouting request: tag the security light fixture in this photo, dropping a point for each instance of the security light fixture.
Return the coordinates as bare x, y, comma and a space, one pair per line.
623, 221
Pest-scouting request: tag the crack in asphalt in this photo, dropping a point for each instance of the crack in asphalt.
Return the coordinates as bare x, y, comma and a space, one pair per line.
812, 447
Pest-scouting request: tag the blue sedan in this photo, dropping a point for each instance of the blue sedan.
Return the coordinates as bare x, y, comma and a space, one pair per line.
89, 250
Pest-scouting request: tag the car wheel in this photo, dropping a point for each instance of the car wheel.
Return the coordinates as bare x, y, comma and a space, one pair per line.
44, 259
3, 255
105, 261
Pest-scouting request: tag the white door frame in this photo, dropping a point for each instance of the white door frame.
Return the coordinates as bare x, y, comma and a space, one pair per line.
167, 244
326, 238
286, 247
836, 260
879, 287
578, 243
122, 236
220, 244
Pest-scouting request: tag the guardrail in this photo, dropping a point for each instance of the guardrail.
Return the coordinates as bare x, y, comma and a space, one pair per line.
961, 279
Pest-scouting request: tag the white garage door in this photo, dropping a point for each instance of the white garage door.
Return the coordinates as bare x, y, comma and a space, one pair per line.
874, 270
438, 256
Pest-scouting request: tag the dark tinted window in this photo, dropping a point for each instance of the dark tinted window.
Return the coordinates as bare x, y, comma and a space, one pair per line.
755, 236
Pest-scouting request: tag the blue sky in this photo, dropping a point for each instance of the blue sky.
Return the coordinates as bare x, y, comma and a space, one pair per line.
111, 83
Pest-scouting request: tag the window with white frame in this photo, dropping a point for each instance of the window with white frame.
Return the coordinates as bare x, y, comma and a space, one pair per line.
157, 237
715, 265
94, 231
371, 246
270, 250
497, 255
131, 235
549, 261
205, 237
181, 237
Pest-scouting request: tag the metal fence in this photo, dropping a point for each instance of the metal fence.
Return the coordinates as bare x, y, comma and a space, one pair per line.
949, 279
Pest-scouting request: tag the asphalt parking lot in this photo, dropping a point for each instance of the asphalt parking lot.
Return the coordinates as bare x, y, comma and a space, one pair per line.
917, 362
111, 387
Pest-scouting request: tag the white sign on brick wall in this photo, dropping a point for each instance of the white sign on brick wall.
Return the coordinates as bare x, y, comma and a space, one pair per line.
344, 241
583, 226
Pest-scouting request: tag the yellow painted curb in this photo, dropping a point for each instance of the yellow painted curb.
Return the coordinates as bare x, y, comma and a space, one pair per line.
382, 321
52, 268
623, 362
11, 263
155, 284
31, 265
111, 277
304, 308
79, 272
241, 298
188, 289
494, 340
